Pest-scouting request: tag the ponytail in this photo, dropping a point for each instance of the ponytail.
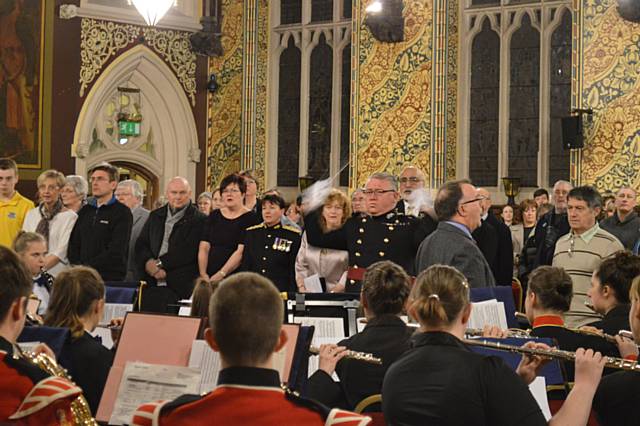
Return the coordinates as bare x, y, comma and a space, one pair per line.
439, 295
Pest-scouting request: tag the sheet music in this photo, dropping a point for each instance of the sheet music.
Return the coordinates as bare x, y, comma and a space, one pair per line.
208, 362
312, 284
314, 360
488, 312
148, 382
184, 311
27, 346
538, 389
327, 330
111, 310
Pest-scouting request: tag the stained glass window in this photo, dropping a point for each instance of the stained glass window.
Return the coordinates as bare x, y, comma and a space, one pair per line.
484, 118
320, 109
345, 114
560, 73
289, 116
321, 10
524, 103
290, 12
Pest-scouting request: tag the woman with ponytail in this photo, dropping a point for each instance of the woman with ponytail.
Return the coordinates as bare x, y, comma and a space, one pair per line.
77, 303
439, 381
548, 299
385, 289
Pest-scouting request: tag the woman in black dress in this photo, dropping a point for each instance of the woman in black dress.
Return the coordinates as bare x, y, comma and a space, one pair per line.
77, 302
439, 381
222, 242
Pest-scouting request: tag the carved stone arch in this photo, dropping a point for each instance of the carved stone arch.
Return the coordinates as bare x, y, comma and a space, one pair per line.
165, 109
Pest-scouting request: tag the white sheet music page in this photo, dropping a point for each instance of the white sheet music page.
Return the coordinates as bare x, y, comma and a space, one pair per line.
111, 310
488, 312
207, 361
148, 382
327, 330
538, 389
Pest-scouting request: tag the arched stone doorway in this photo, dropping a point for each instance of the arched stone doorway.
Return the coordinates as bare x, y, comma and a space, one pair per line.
167, 145
147, 180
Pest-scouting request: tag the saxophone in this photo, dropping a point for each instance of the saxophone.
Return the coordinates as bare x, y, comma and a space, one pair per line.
79, 407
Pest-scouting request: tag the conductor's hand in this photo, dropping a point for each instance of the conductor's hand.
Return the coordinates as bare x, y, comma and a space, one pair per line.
494, 331
626, 347
531, 364
42, 348
589, 366
329, 356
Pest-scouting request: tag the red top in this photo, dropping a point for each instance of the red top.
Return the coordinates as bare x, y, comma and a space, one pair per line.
543, 320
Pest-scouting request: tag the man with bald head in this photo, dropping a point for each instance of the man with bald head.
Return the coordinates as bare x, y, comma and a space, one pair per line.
100, 236
494, 240
167, 249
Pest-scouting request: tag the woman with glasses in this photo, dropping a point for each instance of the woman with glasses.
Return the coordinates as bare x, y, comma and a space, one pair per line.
251, 200
222, 242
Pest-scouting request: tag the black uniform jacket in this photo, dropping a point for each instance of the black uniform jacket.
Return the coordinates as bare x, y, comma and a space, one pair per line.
569, 340
100, 239
615, 320
549, 229
391, 236
441, 382
617, 399
385, 337
181, 260
88, 363
494, 241
271, 251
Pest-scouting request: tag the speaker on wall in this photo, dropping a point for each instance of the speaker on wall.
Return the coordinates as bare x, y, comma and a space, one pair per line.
572, 137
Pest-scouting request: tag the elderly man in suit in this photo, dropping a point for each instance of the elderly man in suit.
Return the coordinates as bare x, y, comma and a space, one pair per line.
129, 193
459, 211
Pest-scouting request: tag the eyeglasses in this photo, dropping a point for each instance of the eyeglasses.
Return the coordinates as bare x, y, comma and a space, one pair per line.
230, 191
412, 179
377, 192
479, 198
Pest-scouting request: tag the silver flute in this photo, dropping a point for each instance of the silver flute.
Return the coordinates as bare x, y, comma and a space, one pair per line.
358, 356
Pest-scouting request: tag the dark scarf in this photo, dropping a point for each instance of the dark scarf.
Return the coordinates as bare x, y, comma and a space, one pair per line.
43, 225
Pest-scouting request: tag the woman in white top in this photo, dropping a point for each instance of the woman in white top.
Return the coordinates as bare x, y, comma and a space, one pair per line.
329, 264
51, 220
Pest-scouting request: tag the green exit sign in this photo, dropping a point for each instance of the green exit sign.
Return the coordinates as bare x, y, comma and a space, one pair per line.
129, 128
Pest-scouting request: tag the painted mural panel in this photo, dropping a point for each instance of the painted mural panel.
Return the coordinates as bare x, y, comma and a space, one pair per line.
21, 81
611, 86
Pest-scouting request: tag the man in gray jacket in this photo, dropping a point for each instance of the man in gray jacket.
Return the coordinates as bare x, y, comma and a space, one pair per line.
458, 208
625, 223
129, 193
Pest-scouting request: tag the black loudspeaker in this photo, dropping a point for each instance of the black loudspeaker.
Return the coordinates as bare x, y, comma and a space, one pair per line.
572, 137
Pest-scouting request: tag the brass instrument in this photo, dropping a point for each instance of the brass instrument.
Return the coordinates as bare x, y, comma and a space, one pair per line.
611, 362
511, 332
79, 407
358, 356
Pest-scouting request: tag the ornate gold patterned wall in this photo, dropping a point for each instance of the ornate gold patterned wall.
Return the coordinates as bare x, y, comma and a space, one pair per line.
611, 86
393, 93
225, 105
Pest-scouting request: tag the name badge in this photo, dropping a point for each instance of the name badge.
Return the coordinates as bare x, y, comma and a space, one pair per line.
106, 222
12, 215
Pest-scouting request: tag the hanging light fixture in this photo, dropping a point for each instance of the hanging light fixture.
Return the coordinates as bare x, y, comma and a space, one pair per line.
152, 10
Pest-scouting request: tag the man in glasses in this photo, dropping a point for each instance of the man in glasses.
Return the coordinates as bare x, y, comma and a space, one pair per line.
381, 234
414, 198
459, 210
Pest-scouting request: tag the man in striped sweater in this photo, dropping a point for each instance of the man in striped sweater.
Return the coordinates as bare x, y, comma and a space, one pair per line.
582, 250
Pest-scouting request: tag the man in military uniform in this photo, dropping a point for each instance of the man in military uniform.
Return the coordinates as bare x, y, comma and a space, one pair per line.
248, 390
28, 395
270, 248
382, 234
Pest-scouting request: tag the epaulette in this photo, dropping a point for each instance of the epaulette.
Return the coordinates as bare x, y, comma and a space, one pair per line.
346, 418
43, 394
292, 229
311, 404
148, 414
258, 226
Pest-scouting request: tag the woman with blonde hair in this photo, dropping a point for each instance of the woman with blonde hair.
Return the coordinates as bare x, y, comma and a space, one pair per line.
77, 303
440, 381
329, 264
